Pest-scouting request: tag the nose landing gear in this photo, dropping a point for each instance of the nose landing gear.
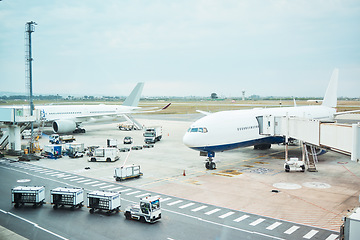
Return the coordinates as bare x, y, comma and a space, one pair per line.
209, 164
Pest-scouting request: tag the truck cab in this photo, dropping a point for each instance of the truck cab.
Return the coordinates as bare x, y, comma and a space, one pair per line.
148, 210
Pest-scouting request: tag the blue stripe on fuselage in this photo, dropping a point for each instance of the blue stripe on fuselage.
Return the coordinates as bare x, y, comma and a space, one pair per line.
225, 147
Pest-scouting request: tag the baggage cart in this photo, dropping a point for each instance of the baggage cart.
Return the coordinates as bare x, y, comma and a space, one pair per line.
101, 200
25, 194
61, 196
127, 172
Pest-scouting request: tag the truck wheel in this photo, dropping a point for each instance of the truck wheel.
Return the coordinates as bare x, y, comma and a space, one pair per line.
303, 168
128, 215
55, 206
93, 159
91, 210
16, 205
287, 168
142, 219
108, 159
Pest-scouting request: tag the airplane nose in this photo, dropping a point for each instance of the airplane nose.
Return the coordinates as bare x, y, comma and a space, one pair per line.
188, 140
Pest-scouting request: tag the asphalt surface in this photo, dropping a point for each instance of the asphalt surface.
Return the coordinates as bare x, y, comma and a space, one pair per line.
181, 218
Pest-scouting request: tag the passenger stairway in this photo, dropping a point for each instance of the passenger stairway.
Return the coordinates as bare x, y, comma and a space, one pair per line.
311, 157
137, 125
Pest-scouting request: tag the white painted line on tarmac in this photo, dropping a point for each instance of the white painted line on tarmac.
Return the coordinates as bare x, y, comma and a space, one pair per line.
53, 172
107, 186
256, 222
70, 177
115, 188
98, 184
332, 237
86, 180
76, 179
132, 193
226, 215
213, 211
176, 202
143, 195
165, 199
91, 182
291, 230
63, 175
126, 190
310, 234
273, 226
243, 217
198, 208
186, 205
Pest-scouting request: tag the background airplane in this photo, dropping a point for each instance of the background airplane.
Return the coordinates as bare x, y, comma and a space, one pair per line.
226, 130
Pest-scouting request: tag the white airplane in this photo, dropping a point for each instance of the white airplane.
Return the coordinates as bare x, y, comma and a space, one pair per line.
226, 130
69, 118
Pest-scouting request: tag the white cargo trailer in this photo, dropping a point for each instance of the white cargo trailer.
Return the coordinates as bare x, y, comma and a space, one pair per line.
62, 196
350, 230
126, 172
101, 200
25, 194
105, 155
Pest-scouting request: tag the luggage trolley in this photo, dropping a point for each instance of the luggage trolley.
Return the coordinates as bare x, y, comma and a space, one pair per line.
62, 196
101, 200
25, 194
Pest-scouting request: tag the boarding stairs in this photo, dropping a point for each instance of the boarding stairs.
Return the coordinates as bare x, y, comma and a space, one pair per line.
137, 125
310, 157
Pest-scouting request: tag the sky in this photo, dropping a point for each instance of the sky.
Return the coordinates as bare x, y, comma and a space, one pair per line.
182, 47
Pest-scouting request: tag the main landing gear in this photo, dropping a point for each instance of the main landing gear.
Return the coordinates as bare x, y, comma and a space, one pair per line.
209, 164
79, 130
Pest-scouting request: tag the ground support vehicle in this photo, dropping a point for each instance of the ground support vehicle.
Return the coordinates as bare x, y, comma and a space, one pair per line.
111, 143
128, 140
74, 150
350, 229
152, 134
136, 147
124, 149
62, 196
126, 127
56, 139
127, 172
101, 200
25, 194
148, 146
105, 155
52, 151
148, 210
294, 165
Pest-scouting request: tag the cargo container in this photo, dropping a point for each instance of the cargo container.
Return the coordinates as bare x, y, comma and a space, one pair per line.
127, 172
101, 200
62, 196
25, 194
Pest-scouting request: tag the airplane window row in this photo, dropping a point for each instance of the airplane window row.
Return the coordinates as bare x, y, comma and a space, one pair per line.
202, 130
246, 128
63, 113
102, 112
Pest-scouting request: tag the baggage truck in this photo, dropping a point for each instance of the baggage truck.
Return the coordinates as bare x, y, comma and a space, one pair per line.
25, 194
57, 139
61, 196
153, 134
127, 172
74, 150
101, 200
147, 210
105, 155
53, 151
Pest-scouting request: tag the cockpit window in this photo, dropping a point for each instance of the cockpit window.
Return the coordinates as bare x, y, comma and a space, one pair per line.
201, 130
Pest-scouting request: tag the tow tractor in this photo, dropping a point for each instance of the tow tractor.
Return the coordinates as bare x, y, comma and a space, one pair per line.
294, 165
148, 210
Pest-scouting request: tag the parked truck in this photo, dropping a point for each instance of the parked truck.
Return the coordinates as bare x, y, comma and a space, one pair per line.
147, 210
61, 196
294, 165
101, 200
57, 139
127, 172
153, 134
25, 194
105, 155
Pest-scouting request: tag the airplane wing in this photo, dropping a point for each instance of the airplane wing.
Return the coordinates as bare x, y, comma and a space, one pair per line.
152, 109
203, 112
348, 112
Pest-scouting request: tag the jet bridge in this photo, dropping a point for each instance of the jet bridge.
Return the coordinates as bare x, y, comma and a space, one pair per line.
13, 120
344, 138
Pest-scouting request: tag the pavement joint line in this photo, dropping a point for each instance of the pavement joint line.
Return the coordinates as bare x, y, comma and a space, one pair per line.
310, 234
213, 211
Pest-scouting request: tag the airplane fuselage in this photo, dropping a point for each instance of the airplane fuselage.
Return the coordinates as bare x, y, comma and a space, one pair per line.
228, 130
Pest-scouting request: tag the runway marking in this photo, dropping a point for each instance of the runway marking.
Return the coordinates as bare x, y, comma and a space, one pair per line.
226, 215
176, 202
310, 234
143, 195
165, 199
332, 237
291, 230
107, 186
213, 211
112, 189
254, 223
186, 205
98, 184
132, 193
198, 209
76, 179
243, 217
70, 177
273, 226
88, 183
86, 180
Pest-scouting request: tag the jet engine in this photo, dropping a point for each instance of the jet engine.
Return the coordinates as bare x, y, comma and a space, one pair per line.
63, 126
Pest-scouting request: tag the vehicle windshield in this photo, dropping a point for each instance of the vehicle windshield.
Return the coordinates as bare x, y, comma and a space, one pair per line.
148, 134
155, 204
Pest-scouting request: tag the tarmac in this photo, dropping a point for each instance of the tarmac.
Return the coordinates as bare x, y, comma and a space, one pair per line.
248, 180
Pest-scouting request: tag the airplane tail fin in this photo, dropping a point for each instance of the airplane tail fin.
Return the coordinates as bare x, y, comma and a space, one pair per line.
330, 99
133, 99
